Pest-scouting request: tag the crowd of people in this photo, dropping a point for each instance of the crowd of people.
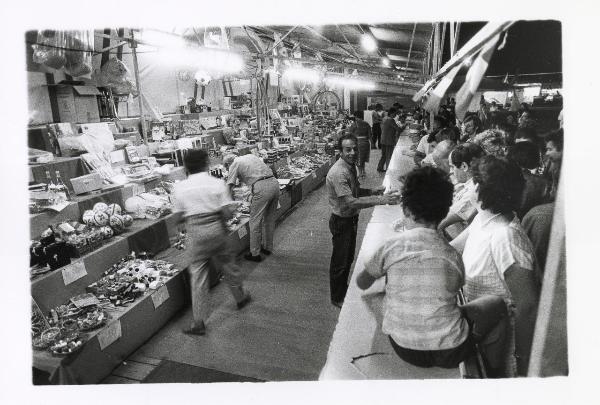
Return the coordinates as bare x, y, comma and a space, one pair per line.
467, 268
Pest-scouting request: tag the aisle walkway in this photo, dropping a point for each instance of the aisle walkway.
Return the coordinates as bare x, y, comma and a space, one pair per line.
284, 333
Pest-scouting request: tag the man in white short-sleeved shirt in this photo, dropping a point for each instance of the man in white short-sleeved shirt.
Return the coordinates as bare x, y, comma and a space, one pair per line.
204, 203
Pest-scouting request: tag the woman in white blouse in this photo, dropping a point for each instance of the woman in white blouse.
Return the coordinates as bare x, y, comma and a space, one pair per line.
499, 258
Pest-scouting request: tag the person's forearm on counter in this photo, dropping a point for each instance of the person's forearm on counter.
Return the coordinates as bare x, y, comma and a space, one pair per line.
367, 202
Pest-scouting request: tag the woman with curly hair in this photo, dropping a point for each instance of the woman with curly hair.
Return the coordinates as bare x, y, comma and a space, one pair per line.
492, 141
424, 274
499, 258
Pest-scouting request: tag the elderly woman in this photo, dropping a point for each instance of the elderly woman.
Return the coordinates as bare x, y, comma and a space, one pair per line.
499, 258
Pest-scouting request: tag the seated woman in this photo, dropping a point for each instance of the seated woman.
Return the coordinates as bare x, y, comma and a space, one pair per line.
499, 258
463, 209
424, 274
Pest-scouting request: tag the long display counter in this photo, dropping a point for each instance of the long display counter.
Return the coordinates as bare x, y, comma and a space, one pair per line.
359, 350
129, 326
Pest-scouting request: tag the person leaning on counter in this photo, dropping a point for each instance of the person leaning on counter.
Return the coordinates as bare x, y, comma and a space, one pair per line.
253, 172
346, 199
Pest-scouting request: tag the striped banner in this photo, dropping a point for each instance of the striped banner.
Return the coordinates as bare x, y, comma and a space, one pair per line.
474, 75
437, 95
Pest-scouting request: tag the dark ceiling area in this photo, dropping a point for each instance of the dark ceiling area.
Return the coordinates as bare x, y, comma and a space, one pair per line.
531, 47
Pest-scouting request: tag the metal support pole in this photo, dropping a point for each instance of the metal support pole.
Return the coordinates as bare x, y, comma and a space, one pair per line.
133, 46
257, 98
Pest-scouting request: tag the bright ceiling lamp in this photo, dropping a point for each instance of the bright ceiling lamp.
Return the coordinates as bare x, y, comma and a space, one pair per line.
350, 83
301, 74
205, 59
386, 61
202, 77
368, 42
161, 39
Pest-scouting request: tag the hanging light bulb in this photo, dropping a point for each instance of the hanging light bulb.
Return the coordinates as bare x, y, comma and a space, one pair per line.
386, 61
368, 42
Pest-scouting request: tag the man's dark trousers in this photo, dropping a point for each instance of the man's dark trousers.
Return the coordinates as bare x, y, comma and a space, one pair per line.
386, 157
376, 135
343, 231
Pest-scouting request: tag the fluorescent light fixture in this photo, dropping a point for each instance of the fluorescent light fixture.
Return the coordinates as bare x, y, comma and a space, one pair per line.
202, 77
349, 82
161, 39
301, 74
205, 59
386, 61
368, 42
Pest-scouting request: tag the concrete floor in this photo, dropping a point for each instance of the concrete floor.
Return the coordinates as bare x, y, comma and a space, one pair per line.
284, 333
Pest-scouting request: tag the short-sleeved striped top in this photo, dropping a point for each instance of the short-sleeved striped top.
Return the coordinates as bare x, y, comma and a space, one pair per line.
424, 275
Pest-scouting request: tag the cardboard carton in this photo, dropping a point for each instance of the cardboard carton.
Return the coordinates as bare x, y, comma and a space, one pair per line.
77, 104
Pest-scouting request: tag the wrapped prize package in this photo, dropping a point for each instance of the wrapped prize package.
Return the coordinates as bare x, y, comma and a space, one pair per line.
148, 205
50, 49
79, 54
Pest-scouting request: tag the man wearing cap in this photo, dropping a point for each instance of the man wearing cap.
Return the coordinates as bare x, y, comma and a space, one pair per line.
252, 171
204, 202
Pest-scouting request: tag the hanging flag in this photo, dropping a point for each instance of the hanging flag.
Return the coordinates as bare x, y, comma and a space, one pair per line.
437, 95
423, 90
474, 76
515, 104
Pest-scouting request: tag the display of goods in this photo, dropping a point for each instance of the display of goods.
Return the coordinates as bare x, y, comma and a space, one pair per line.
179, 244
87, 238
151, 205
127, 220
100, 218
38, 323
191, 127
100, 206
113, 209
107, 232
241, 193
117, 223
88, 217
92, 320
122, 283
66, 346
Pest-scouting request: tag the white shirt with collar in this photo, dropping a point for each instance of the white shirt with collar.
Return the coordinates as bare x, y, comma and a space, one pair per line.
201, 193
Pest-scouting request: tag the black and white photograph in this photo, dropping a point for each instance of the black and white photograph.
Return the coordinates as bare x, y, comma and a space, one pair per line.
330, 203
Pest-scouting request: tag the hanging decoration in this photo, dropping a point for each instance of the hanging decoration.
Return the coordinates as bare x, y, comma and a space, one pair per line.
71, 50
50, 49
115, 76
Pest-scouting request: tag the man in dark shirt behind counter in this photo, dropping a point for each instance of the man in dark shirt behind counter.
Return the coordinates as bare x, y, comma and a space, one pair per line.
346, 199
390, 131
